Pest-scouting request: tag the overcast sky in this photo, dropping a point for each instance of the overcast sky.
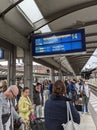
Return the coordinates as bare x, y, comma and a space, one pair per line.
92, 62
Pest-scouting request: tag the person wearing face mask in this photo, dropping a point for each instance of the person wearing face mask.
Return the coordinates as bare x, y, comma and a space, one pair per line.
38, 100
85, 92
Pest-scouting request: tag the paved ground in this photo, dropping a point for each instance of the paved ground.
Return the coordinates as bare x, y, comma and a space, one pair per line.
87, 122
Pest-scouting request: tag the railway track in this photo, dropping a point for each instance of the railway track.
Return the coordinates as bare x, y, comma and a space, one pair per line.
93, 89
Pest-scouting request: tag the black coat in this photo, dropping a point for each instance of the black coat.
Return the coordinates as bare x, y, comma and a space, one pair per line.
36, 98
56, 112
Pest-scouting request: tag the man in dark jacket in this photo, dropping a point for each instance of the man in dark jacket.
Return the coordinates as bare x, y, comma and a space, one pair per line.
73, 91
38, 99
56, 108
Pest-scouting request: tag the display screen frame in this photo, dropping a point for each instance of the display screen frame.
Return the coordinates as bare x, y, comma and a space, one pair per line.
1, 53
65, 52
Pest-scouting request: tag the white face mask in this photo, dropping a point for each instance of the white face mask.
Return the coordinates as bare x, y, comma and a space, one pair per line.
86, 83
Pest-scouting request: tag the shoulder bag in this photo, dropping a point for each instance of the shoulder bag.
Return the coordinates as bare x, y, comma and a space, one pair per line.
83, 93
5, 117
70, 125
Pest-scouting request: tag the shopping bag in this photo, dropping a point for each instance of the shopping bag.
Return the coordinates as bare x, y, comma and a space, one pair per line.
70, 125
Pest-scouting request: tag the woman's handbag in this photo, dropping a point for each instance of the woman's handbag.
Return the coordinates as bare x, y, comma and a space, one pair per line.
70, 125
31, 116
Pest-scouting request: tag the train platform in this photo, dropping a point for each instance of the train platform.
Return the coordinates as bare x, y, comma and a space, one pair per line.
87, 122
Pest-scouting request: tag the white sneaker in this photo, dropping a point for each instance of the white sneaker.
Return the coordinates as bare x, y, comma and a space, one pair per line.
82, 114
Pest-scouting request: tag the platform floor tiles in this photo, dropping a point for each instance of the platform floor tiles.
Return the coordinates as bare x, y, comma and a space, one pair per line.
87, 122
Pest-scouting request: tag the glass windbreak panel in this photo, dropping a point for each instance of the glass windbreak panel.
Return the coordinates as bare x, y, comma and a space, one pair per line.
92, 62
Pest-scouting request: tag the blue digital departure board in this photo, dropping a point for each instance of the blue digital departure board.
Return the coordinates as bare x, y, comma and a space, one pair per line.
59, 43
1, 53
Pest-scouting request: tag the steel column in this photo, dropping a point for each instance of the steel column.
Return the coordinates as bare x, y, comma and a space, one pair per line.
11, 77
28, 69
52, 75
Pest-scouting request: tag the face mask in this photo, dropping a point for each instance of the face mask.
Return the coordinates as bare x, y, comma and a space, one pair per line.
86, 82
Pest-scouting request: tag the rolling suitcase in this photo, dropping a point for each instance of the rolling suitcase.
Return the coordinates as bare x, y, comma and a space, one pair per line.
37, 124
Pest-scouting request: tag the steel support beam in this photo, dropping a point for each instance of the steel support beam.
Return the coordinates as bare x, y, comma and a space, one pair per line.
5, 44
85, 24
10, 7
9, 34
90, 42
90, 50
63, 59
62, 13
53, 62
79, 66
91, 34
91, 47
87, 54
41, 61
50, 62
80, 60
75, 56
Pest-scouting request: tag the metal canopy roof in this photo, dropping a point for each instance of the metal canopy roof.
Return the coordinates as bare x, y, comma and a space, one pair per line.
59, 15
72, 15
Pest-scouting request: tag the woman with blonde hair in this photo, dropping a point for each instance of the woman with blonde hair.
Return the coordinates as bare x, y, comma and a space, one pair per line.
4, 85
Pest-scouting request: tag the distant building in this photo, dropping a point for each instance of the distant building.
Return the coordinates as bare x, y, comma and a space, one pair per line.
40, 69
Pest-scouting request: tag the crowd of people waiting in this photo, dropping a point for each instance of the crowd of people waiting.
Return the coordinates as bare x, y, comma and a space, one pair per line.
77, 89
50, 96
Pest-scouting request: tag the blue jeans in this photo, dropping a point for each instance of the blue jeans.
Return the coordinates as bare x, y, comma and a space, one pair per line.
85, 101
